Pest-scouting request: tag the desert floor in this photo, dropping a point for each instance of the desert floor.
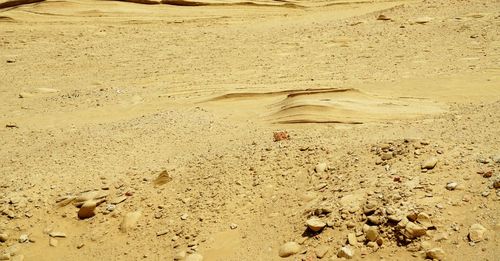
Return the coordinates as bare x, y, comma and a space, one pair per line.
147, 132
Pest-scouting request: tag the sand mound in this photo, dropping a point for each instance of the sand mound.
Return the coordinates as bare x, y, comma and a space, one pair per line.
327, 105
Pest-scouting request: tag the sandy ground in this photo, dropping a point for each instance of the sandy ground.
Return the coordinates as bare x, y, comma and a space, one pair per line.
160, 120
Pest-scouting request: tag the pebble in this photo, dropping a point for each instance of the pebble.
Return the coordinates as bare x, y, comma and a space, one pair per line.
23, 238
130, 220
383, 17
320, 168
413, 230
194, 257
435, 254
476, 233
233, 226
372, 234
451, 186
110, 207
387, 156
424, 219
87, 209
53, 242
162, 179
181, 255
423, 20
4, 237
321, 251
289, 249
315, 224
25, 95
345, 252
430, 163
57, 234
184, 216
118, 200
352, 240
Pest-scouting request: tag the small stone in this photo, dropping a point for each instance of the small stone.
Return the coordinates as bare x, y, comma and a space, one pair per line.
57, 234
451, 186
23, 95
476, 233
181, 255
53, 242
387, 156
4, 237
118, 200
87, 209
423, 20
130, 220
162, 232
280, 135
194, 257
184, 216
320, 168
372, 234
233, 226
321, 251
429, 163
352, 240
289, 249
488, 174
162, 179
110, 207
496, 184
23, 238
413, 230
345, 252
383, 17
80, 245
435, 254
424, 219
315, 224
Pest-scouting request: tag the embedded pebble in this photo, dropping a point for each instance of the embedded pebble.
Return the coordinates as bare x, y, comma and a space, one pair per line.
289, 249
345, 252
476, 233
315, 224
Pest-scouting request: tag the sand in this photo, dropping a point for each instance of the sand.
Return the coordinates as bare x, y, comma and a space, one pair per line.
163, 114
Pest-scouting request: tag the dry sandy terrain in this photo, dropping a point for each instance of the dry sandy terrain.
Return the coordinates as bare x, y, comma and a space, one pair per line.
265, 130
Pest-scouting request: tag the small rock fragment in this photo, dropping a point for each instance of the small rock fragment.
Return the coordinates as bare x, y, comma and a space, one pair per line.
423, 20
429, 163
315, 224
57, 234
320, 168
118, 200
4, 237
130, 220
345, 252
451, 185
281, 135
87, 209
435, 254
181, 255
476, 233
53, 242
162, 179
372, 234
23, 238
321, 251
352, 240
289, 249
413, 230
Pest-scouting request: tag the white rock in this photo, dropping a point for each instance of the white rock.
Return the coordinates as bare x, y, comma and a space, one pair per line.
345, 252
451, 185
476, 233
57, 234
315, 224
430, 163
23, 238
435, 254
320, 168
289, 249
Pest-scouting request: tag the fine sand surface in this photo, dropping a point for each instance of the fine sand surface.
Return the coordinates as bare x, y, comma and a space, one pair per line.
221, 130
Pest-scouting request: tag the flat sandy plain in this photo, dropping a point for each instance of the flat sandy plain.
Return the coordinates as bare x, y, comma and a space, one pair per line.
162, 117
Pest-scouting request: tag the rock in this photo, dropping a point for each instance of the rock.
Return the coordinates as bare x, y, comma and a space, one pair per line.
118, 200
435, 254
130, 220
57, 234
476, 233
87, 209
280, 135
320, 168
162, 179
413, 230
181, 255
370, 207
351, 239
289, 249
23, 238
496, 184
4, 237
423, 20
194, 257
90, 195
372, 234
383, 18
429, 163
110, 207
233, 226
345, 252
387, 156
451, 185
53, 242
25, 95
321, 251
496, 158
184, 216
315, 224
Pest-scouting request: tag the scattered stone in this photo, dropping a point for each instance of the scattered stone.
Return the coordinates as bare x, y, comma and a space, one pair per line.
351, 239
184, 216
162, 179
387, 156
488, 174
110, 207
315, 224
424, 219
345, 252
53, 242
496, 158
496, 184
233, 226
413, 230
383, 18
194, 257
321, 251
281, 135
181, 255
130, 220
289, 249
23, 238
57, 234
423, 20
451, 186
87, 209
80, 245
429, 163
4, 237
435, 254
162, 232
372, 234
476, 233
320, 168
118, 200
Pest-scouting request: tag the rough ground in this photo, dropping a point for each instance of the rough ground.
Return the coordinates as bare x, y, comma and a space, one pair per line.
148, 132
